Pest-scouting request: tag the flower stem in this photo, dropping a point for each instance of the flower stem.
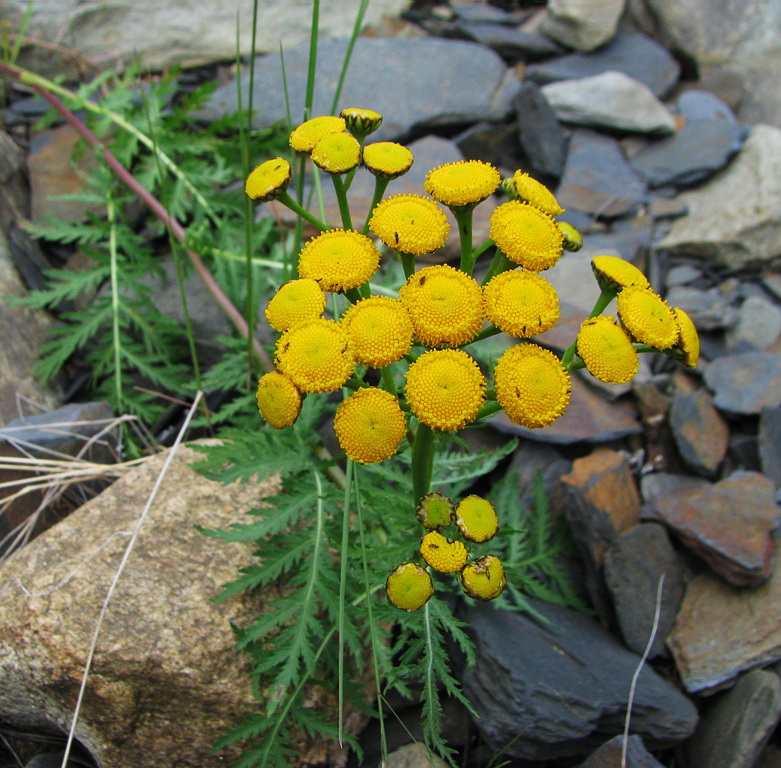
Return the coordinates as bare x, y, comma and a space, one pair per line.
422, 461
408, 263
463, 216
604, 299
341, 196
499, 264
285, 199
380, 185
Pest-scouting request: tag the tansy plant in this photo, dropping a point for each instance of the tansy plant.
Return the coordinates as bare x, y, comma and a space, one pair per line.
397, 368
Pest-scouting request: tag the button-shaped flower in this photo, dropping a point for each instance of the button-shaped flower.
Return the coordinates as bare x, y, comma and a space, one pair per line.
531, 385
461, 184
445, 389
607, 351
316, 355
380, 330
443, 555
444, 304
305, 136
336, 153
687, 348
294, 302
484, 579
434, 511
521, 303
279, 401
648, 317
369, 425
476, 519
526, 235
268, 181
529, 190
361, 122
387, 159
409, 586
410, 223
614, 273
339, 259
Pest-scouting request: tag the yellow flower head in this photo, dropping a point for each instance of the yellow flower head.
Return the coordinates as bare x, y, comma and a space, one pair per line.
268, 181
388, 159
687, 348
573, 240
614, 273
442, 554
527, 235
410, 223
304, 138
380, 330
531, 385
336, 153
361, 122
531, 191
316, 355
476, 519
647, 316
339, 259
464, 183
369, 425
445, 389
279, 401
521, 303
295, 301
409, 586
607, 351
444, 304
434, 511
484, 579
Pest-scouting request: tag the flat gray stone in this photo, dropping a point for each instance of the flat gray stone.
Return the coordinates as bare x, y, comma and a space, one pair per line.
543, 139
413, 83
709, 309
582, 24
510, 43
745, 383
609, 754
610, 100
758, 326
770, 443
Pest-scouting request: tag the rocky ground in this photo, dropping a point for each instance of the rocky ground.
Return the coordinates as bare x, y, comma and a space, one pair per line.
659, 156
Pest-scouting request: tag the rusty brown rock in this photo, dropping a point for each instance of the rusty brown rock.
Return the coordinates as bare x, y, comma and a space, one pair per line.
700, 432
722, 630
166, 679
729, 524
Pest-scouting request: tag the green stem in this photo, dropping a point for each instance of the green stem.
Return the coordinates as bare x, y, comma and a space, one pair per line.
344, 561
407, 263
489, 409
499, 264
341, 197
481, 249
285, 199
388, 381
604, 299
115, 309
422, 461
463, 218
380, 185
486, 333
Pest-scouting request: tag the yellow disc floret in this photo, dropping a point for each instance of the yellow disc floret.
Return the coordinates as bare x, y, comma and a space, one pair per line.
434, 511
388, 159
442, 554
268, 181
336, 153
410, 223
614, 273
380, 330
527, 235
361, 122
464, 183
476, 519
444, 304
339, 259
531, 385
521, 303
531, 191
279, 401
409, 586
295, 301
484, 579
648, 317
687, 347
304, 138
607, 351
316, 355
445, 389
369, 425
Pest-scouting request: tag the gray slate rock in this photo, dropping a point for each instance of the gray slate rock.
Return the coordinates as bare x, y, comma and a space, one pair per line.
699, 431
598, 179
634, 563
735, 217
609, 754
559, 689
734, 732
637, 56
709, 309
745, 383
412, 82
510, 43
543, 139
695, 104
758, 326
770, 443
610, 100
582, 24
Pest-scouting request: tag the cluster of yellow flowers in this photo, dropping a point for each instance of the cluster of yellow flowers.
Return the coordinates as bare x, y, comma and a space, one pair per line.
440, 309
409, 585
